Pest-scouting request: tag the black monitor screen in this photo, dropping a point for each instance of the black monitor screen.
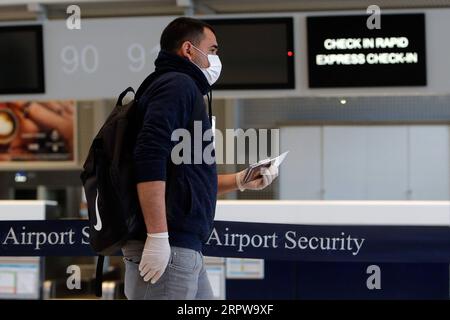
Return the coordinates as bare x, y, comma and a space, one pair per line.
21, 60
255, 53
344, 52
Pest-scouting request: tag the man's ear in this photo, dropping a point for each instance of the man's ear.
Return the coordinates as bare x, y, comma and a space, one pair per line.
186, 50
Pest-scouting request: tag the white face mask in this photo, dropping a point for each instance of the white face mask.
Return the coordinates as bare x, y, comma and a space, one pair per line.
211, 73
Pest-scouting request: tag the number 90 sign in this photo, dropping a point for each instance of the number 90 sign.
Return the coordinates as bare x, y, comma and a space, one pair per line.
86, 59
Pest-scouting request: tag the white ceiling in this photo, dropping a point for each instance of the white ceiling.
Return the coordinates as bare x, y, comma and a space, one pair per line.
55, 9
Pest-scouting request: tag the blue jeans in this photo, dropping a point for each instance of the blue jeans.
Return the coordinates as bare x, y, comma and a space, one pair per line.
185, 277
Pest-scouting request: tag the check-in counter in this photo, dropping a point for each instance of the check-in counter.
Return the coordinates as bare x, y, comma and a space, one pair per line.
337, 249
22, 277
304, 249
301, 212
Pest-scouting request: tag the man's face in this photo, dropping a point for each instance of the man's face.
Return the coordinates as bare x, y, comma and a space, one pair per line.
208, 45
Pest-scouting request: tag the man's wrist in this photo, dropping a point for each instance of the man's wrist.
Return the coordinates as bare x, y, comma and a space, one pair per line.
156, 227
158, 235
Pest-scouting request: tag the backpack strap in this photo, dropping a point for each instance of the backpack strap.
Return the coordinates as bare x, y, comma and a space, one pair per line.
99, 276
123, 94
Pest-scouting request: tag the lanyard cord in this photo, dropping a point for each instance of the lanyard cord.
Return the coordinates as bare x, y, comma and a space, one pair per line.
209, 96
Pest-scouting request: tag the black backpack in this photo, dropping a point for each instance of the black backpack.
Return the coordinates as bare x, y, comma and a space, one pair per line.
109, 184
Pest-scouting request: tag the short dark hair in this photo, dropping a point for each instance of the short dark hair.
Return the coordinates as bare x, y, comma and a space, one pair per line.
183, 29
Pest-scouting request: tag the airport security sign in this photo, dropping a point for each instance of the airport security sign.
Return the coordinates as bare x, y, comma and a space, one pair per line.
344, 52
252, 240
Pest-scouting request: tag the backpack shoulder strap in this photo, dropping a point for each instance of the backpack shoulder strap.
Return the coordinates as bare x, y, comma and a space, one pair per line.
123, 94
99, 276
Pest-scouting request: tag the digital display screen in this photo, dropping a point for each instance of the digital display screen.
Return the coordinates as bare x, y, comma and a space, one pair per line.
255, 53
344, 52
21, 60
20, 278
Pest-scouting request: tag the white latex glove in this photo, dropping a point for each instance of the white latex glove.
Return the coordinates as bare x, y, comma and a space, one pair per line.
155, 256
267, 177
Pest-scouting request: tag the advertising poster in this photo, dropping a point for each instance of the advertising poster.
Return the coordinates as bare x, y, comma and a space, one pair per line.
37, 131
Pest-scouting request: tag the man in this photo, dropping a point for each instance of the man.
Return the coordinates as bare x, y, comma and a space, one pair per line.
177, 200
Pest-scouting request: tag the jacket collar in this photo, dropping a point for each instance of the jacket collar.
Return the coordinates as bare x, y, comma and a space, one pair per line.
167, 61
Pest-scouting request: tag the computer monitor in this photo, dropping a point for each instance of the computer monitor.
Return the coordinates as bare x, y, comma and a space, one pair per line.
20, 277
344, 52
21, 59
255, 53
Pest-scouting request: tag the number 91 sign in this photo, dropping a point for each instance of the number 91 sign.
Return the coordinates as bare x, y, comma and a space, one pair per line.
86, 58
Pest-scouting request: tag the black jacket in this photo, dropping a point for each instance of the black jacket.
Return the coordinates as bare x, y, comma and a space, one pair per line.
173, 100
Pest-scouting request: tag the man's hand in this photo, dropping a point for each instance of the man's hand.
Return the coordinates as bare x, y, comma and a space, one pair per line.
156, 253
266, 178
155, 256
